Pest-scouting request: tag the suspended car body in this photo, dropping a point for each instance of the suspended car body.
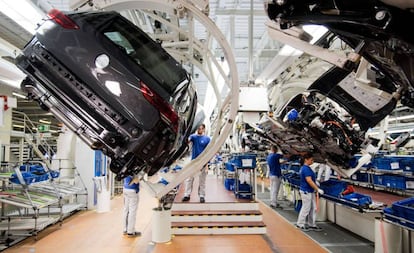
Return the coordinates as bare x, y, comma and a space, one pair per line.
111, 84
348, 99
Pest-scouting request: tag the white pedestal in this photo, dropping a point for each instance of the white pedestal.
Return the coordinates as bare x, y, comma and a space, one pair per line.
104, 201
321, 215
161, 225
387, 237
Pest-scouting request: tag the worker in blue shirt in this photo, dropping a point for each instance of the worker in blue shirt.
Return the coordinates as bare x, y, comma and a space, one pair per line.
275, 174
199, 142
131, 200
307, 191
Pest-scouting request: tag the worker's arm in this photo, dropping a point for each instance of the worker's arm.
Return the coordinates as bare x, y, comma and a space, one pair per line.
311, 183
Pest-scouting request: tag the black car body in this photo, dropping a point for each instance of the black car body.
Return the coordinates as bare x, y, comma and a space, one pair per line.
334, 127
114, 86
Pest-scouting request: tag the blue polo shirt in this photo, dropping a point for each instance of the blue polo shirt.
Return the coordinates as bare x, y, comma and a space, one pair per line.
274, 164
306, 171
200, 142
133, 186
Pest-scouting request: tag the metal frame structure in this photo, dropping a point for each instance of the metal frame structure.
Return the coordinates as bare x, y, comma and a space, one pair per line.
217, 72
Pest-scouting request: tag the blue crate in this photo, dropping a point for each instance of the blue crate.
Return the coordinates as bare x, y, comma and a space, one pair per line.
292, 178
361, 176
284, 166
333, 187
229, 184
244, 161
294, 166
402, 212
229, 166
295, 180
358, 198
379, 179
389, 214
34, 176
245, 187
244, 191
407, 164
28, 178
54, 173
382, 163
34, 168
244, 195
404, 208
394, 182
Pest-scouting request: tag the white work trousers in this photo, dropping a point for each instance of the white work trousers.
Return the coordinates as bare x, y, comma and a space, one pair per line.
131, 199
188, 184
274, 189
308, 209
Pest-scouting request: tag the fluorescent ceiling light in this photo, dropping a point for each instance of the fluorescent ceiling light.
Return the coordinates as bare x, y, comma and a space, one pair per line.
18, 126
18, 95
44, 121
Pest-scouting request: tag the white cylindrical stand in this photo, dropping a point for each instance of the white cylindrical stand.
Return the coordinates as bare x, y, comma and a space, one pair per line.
387, 237
321, 215
104, 201
161, 225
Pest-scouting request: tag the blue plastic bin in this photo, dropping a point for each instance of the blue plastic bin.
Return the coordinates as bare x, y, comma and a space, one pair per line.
245, 187
362, 176
358, 198
394, 182
229, 184
404, 208
407, 164
333, 187
382, 163
379, 179
401, 209
292, 178
244, 161
28, 178
244, 191
54, 173
229, 166
294, 166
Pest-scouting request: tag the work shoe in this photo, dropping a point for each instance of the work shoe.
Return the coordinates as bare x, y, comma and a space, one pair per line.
124, 233
315, 228
276, 206
202, 200
303, 228
134, 234
186, 198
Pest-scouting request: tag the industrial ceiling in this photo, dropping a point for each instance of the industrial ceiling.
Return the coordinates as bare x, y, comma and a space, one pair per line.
242, 22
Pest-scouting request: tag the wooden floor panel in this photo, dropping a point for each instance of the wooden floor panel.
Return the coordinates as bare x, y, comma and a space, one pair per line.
89, 231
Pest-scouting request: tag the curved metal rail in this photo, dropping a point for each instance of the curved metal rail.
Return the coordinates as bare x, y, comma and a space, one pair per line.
223, 71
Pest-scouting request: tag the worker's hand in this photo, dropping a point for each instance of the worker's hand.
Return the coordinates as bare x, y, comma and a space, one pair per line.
320, 191
135, 180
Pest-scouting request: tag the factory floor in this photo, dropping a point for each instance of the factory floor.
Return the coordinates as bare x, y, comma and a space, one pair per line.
89, 231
